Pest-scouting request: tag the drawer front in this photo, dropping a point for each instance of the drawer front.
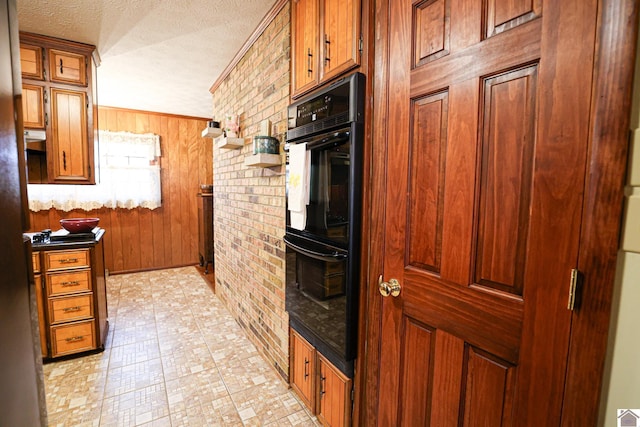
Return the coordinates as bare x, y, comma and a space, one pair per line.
73, 338
58, 260
35, 257
70, 308
68, 283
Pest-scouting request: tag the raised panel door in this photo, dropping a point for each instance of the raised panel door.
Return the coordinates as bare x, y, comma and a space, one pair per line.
31, 62
33, 106
488, 125
334, 401
67, 67
70, 154
303, 372
340, 38
304, 45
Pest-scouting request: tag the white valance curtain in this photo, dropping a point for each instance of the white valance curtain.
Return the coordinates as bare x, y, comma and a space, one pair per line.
129, 178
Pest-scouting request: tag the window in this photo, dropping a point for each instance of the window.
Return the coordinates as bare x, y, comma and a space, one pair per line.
129, 178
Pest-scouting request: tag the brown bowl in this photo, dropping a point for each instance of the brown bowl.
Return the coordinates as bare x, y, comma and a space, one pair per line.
79, 225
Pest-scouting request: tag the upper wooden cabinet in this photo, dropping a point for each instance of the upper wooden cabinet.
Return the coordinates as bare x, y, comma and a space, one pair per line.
58, 93
69, 140
67, 67
31, 62
325, 40
33, 106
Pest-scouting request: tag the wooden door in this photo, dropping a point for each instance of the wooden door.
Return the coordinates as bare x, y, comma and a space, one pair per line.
33, 106
334, 400
303, 369
67, 67
487, 118
304, 45
341, 37
31, 62
70, 148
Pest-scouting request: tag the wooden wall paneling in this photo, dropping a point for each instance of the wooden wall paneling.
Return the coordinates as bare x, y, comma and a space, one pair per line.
157, 215
174, 189
188, 191
166, 193
129, 219
196, 164
144, 215
141, 239
110, 123
105, 222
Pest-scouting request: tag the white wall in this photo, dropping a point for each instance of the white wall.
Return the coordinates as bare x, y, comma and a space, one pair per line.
621, 388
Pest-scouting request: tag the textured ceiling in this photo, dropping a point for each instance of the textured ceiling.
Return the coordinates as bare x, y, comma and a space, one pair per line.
156, 55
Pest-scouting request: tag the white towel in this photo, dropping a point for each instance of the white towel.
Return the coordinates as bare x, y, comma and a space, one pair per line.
298, 197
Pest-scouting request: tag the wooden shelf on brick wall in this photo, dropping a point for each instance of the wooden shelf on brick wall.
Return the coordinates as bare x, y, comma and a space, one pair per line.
210, 132
229, 143
263, 160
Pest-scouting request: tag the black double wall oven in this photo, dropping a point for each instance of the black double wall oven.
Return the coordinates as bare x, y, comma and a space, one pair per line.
323, 258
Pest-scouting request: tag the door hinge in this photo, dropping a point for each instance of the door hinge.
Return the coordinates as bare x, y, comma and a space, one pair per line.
353, 394
576, 280
360, 44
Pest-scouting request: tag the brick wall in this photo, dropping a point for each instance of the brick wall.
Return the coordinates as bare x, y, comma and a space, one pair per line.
249, 202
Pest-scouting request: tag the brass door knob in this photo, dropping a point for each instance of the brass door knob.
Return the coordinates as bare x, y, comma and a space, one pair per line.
392, 287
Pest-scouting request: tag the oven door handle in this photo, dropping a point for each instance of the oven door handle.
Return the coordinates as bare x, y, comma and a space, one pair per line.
334, 256
335, 139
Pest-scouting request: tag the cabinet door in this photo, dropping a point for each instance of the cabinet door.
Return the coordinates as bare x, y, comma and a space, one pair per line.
340, 37
69, 159
67, 67
334, 405
33, 106
304, 42
31, 62
303, 369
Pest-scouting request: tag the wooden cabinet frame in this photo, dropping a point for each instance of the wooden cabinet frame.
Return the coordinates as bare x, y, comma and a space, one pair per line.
54, 67
322, 387
325, 41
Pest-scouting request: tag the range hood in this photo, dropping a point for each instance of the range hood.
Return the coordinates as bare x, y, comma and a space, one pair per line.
35, 140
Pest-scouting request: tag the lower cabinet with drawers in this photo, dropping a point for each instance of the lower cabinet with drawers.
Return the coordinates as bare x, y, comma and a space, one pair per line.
72, 298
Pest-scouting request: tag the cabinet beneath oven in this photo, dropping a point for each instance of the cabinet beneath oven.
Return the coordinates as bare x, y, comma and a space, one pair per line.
321, 386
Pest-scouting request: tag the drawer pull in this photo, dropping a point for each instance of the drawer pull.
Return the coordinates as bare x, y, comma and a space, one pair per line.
72, 283
75, 339
70, 309
68, 260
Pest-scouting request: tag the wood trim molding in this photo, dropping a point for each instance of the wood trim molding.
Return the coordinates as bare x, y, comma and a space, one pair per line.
370, 244
612, 90
155, 113
268, 18
56, 42
368, 406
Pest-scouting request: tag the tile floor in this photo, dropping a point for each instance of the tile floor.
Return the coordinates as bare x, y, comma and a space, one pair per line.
174, 357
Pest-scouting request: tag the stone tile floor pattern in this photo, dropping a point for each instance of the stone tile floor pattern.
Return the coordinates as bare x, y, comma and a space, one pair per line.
174, 357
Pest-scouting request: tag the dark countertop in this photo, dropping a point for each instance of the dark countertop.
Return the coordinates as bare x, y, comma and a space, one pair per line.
69, 243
